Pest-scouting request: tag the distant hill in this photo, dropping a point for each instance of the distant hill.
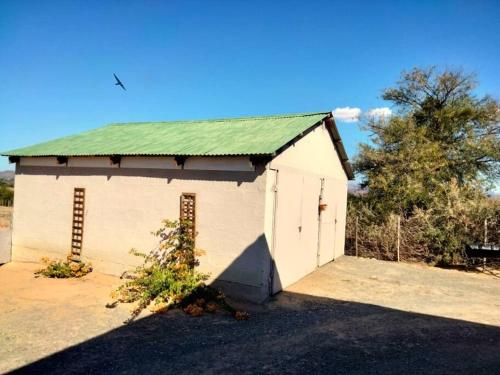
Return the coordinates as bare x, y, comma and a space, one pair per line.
7, 176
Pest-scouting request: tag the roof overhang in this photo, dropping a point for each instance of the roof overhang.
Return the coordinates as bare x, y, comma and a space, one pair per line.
295, 126
339, 146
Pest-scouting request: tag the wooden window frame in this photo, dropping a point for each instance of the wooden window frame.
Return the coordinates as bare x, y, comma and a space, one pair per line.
77, 223
185, 198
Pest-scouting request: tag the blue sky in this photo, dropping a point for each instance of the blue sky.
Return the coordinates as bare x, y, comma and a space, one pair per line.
192, 60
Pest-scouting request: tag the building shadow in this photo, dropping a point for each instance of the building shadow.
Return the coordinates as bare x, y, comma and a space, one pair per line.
168, 175
254, 265
292, 333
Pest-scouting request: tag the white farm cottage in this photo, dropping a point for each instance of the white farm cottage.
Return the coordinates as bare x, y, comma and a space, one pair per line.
267, 195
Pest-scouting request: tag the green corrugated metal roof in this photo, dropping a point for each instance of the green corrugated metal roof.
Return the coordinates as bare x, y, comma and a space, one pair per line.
237, 136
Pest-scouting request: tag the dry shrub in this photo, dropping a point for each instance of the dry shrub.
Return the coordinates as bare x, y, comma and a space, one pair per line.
436, 236
5, 217
60, 269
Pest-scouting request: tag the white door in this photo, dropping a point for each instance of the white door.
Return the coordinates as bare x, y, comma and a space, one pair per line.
296, 228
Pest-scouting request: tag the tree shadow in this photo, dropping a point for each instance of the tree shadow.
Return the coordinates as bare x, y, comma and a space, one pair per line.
292, 333
491, 269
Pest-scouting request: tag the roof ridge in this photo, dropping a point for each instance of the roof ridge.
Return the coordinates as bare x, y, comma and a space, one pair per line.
245, 118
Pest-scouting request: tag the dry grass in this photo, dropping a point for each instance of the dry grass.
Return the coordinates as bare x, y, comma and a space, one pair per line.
5, 217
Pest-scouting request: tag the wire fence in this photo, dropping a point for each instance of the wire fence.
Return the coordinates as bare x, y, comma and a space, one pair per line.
401, 239
6, 202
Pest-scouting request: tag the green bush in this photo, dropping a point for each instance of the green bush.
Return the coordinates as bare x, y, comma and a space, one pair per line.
168, 278
59, 269
6, 192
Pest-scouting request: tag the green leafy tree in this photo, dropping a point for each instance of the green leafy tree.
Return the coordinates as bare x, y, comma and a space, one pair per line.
435, 157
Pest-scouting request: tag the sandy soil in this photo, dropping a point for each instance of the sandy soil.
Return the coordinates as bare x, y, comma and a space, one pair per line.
353, 316
470, 296
40, 316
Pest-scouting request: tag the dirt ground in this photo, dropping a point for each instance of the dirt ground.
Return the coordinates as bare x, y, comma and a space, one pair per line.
470, 296
353, 316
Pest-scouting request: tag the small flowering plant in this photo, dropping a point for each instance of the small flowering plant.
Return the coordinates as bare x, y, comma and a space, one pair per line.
168, 277
60, 269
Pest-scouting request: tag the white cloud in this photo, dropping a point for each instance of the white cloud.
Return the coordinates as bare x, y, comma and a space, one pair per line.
347, 114
382, 112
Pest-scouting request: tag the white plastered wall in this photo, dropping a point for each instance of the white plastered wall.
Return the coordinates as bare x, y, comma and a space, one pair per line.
299, 171
123, 205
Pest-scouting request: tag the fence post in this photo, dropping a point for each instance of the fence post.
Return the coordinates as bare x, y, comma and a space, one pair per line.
486, 230
356, 237
399, 234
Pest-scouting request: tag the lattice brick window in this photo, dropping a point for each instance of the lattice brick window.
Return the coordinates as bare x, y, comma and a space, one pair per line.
188, 211
77, 229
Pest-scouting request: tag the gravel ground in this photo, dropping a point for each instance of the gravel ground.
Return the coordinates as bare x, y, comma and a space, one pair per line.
353, 316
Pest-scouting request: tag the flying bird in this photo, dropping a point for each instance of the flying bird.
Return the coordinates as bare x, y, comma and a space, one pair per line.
119, 83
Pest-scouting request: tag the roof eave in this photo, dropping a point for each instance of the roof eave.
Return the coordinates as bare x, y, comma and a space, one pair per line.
334, 135
339, 146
